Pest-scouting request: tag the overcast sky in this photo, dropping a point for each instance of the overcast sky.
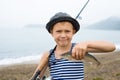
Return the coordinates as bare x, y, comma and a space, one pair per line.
17, 13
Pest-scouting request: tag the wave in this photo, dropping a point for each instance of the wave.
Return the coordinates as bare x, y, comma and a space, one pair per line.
32, 59
25, 59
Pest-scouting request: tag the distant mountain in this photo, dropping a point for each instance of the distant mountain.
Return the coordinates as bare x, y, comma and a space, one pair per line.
111, 23
34, 26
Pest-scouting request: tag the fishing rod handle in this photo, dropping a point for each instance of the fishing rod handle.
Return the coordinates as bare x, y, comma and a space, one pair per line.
36, 75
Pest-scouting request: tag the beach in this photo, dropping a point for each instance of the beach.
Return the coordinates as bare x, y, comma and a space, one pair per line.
17, 71
108, 70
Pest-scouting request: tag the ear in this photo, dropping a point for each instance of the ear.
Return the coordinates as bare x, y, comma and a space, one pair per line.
74, 31
51, 31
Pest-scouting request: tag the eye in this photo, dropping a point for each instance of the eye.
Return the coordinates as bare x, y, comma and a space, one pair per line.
67, 31
58, 31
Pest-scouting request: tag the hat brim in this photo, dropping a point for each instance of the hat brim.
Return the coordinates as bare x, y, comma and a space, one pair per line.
74, 22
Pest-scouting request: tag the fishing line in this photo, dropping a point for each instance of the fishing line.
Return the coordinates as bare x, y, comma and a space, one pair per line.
82, 10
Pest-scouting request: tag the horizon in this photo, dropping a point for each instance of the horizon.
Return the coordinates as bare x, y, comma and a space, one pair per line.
113, 18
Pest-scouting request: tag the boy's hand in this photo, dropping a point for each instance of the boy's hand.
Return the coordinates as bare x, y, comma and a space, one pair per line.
79, 51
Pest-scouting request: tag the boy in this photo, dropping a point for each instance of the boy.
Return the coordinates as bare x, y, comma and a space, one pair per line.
62, 27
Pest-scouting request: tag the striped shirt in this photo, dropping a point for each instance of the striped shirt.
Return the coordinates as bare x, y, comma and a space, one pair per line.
63, 69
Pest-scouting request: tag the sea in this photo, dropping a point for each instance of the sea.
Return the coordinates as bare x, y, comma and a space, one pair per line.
19, 45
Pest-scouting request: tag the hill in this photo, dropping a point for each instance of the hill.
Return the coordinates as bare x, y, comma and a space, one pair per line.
111, 23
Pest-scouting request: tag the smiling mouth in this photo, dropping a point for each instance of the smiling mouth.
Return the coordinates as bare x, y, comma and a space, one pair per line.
63, 40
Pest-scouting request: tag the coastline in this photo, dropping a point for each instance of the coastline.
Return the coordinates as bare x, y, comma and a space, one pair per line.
109, 70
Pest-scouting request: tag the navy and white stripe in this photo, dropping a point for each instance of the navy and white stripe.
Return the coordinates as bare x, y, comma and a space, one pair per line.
63, 69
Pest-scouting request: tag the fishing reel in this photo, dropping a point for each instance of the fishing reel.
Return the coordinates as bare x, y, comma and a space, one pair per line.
43, 78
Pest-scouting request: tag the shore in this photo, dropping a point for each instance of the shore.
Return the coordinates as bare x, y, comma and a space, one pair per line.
108, 70
17, 71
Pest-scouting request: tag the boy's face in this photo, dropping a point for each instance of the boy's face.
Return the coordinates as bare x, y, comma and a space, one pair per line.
62, 33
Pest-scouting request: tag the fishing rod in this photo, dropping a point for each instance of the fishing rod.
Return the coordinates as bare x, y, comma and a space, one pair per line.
82, 9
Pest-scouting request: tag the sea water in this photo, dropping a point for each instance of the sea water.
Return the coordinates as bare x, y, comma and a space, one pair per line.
18, 45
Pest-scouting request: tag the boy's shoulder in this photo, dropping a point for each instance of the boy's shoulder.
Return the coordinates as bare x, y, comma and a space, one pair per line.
46, 53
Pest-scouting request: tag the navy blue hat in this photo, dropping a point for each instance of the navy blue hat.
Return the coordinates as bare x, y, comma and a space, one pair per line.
59, 17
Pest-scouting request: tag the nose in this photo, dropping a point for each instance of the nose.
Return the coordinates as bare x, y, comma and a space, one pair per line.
63, 34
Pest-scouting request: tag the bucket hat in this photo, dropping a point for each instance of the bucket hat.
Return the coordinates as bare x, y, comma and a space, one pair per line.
59, 17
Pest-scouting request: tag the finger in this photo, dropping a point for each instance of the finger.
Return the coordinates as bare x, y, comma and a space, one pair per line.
80, 54
77, 55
